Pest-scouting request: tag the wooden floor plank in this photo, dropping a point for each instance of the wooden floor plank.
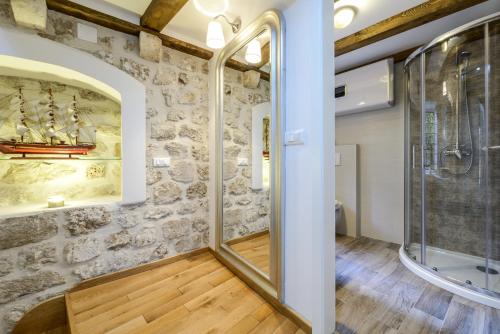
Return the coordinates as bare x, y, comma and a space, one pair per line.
194, 295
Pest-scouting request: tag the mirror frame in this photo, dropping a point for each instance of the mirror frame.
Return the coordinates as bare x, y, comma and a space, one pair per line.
271, 285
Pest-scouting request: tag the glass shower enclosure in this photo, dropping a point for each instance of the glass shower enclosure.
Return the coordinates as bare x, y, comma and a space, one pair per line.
452, 147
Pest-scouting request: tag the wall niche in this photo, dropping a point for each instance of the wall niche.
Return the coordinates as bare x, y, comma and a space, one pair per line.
57, 140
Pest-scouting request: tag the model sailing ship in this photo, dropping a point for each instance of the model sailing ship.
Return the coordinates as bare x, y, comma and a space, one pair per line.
46, 129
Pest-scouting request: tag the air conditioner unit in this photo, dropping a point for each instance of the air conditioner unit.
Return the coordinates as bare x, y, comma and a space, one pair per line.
366, 88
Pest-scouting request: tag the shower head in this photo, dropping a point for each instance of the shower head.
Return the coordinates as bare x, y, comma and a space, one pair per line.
463, 57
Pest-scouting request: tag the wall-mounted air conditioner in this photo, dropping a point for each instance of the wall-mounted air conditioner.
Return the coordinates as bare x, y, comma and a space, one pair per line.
370, 87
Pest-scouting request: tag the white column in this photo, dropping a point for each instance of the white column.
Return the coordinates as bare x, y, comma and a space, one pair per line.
310, 168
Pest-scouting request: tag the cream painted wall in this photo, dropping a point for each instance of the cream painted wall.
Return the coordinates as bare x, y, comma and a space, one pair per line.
380, 136
309, 226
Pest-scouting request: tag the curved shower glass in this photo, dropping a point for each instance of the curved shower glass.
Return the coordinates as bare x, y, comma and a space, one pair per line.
452, 213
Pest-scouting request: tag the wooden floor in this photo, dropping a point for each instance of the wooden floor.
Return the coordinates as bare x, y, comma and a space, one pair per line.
193, 295
377, 294
255, 250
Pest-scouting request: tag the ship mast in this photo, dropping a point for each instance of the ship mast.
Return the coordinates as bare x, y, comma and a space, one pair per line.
51, 132
21, 127
75, 121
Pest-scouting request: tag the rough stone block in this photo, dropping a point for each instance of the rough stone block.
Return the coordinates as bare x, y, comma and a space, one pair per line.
6, 266
81, 250
182, 171
20, 231
251, 79
150, 47
10, 290
117, 240
167, 193
30, 13
197, 190
33, 258
84, 221
175, 229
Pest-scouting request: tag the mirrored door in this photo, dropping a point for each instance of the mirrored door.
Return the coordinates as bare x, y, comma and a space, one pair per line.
249, 157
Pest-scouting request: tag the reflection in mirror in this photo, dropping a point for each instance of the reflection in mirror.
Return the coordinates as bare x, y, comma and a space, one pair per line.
246, 158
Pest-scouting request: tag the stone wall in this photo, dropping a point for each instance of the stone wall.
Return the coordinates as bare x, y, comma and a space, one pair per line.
246, 210
42, 255
26, 184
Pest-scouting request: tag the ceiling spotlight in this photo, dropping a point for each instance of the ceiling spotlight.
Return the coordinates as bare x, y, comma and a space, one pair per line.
215, 34
344, 16
253, 54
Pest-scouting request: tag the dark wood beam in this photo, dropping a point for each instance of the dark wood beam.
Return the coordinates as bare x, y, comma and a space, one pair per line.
236, 65
398, 56
265, 53
111, 22
424, 13
160, 12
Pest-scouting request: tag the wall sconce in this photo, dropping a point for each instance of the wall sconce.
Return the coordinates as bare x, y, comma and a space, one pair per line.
344, 16
215, 35
253, 54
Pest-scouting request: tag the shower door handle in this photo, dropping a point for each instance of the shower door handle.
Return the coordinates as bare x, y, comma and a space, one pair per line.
413, 156
492, 148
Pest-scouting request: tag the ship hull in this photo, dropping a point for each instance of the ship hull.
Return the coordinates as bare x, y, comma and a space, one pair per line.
25, 149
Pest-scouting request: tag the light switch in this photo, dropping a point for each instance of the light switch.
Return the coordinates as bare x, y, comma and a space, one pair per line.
242, 161
294, 137
161, 162
338, 159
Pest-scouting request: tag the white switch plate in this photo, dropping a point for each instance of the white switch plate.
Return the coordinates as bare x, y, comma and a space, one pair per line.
242, 161
295, 137
161, 162
338, 159
86, 33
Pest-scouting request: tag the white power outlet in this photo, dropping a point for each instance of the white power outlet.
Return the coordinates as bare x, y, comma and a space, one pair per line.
161, 162
242, 161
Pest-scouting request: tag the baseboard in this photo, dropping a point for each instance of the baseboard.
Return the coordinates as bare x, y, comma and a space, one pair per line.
246, 238
106, 278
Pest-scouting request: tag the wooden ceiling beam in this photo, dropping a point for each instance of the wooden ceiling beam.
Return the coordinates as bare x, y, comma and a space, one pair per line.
424, 13
111, 22
160, 12
265, 53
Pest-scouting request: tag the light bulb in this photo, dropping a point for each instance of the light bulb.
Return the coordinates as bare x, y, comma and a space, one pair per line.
215, 35
343, 17
253, 54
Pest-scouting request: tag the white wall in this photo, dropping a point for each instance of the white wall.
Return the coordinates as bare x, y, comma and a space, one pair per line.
380, 136
309, 213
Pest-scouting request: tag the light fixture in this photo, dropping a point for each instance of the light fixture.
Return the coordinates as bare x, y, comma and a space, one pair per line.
211, 7
253, 54
55, 201
344, 16
215, 35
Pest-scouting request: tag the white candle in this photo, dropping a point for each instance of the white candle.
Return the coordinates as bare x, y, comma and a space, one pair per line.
55, 201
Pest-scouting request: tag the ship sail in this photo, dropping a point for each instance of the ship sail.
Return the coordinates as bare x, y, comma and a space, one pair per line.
21, 126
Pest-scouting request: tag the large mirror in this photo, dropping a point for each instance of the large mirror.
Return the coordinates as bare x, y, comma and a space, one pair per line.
249, 121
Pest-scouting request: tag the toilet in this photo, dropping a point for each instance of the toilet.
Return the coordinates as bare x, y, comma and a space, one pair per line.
338, 211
